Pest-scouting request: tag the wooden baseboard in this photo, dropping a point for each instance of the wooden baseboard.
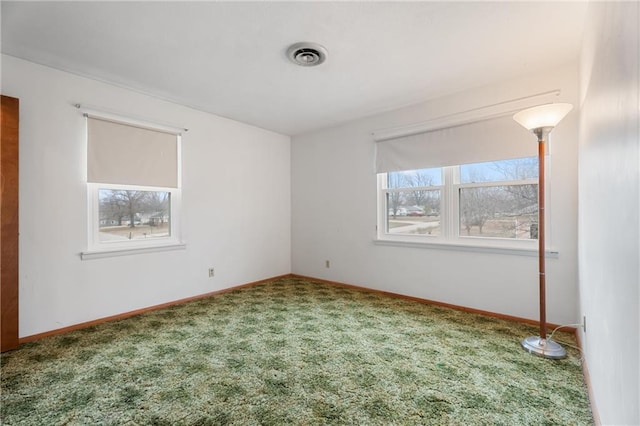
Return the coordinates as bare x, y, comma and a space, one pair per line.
79, 326
436, 303
336, 283
573, 330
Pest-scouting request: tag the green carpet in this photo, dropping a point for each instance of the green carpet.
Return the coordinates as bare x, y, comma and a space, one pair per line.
293, 351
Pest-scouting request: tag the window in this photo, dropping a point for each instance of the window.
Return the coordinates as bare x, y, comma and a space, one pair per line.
133, 214
463, 181
133, 181
490, 203
413, 202
499, 199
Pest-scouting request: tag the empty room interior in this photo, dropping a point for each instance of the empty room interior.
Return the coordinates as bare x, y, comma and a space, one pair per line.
320, 212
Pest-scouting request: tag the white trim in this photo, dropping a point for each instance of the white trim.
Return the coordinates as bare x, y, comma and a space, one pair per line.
450, 237
99, 254
450, 205
516, 251
533, 181
466, 117
131, 246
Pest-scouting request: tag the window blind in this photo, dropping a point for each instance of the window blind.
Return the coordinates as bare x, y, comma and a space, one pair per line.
119, 153
486, 140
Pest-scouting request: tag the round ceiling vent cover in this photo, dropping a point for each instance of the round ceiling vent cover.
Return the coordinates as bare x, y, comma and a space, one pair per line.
307, 54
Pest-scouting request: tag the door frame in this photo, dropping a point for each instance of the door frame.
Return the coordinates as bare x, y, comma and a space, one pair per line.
9, 217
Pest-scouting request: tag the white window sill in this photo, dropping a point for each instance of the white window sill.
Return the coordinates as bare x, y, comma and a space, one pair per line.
99, 254
516, 251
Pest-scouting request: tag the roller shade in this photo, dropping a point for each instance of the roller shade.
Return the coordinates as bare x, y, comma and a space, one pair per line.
119, 153
487, 140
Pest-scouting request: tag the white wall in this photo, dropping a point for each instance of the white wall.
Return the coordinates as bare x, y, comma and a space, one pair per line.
334, 214
236, 204
609, 231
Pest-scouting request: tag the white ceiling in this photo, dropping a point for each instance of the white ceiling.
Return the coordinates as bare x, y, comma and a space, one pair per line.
229, 58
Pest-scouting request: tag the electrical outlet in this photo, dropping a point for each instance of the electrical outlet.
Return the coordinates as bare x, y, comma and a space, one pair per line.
212, 272
327, 264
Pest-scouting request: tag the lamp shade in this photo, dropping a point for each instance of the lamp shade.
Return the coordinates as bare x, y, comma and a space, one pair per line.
548, 115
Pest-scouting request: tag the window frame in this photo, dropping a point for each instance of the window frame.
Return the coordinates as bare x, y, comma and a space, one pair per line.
98, 249
95, 245
449, 237
384, 223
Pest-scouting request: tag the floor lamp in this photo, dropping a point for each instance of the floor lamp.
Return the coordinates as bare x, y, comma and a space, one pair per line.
541, 120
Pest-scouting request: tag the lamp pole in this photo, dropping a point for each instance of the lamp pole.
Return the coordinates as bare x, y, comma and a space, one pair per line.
542, 134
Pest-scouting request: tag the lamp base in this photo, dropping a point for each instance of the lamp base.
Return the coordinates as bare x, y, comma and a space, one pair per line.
543, 347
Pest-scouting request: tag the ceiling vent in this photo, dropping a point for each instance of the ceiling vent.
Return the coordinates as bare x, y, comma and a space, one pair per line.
307, 54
